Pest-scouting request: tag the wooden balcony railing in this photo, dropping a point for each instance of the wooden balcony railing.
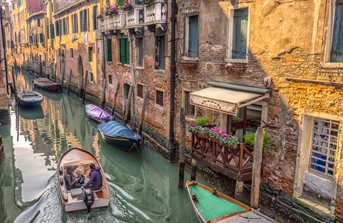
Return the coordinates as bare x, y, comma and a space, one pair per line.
234, 162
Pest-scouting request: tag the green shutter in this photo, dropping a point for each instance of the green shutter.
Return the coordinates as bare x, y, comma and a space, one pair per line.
109, 50
193, 36
127, 46
122, 51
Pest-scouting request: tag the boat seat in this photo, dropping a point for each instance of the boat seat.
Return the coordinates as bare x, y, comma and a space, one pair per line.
76, 192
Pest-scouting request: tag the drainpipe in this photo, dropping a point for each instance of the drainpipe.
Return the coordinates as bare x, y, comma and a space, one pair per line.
172, 82
4, 47
103, 71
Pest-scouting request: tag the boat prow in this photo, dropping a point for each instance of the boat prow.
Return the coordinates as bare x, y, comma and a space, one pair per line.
212, 206
73, 199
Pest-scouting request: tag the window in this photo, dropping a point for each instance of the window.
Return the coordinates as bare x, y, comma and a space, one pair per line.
192, 36
124, 53
160, 52
239, 40
337, 35
84, 20
110, 79
324, 144
75, 24
52, 31
41, 38
139, 52
108, 49
95, 12
71, 53
38, 22
59, 52
57, 27
90, 53
159, 97
189, 109
140, 90
91, 76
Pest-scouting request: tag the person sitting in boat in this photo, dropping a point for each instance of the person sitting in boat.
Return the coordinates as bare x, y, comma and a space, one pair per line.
95, 178
70, 180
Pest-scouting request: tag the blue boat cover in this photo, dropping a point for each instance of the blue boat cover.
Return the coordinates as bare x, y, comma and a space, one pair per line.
116, 129
96, 112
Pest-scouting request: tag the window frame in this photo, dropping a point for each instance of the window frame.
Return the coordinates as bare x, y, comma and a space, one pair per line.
124, 59
231, 31
329, 37
139, 52
157, 54
156, 97
139, 85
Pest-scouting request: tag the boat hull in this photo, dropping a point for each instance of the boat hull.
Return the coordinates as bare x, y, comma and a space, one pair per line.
47, 85
74, 202
122, 143
29, 104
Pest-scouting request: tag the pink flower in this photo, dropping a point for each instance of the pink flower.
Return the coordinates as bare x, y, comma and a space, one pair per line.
223, 133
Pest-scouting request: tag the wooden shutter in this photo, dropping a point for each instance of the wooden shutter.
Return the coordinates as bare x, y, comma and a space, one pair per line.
81, 27
161, 55
337, 38
193, 36
122, 51
240, 26
95, 12
140, 51
109, 49
127, 49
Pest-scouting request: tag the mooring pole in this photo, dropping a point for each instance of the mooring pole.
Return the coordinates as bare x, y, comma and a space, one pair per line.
127, 106
103, 101
182, 146
256, 172
194, 170
115, 99
145, 102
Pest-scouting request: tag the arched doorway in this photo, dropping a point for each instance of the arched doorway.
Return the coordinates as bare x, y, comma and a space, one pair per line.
80, 71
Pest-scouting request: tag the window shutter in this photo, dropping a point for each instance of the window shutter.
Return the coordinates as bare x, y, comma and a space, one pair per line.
127, 53
162, 48
193, 36
95, 12
239, 44
140, 53
109, 49
337, 38
122, 51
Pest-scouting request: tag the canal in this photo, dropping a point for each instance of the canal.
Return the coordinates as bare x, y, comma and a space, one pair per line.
143, 185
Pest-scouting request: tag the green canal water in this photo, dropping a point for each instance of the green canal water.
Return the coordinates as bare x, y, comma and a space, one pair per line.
143, 184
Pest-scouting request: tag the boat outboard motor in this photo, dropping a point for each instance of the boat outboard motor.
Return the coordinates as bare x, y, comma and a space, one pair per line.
88, 198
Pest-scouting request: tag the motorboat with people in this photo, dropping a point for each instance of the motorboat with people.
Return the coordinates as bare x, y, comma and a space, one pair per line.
29, 99
76, 195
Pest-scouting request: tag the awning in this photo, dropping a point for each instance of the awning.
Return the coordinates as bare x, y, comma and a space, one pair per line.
225, 100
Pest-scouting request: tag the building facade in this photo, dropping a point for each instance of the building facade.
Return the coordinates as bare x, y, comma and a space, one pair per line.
242, 64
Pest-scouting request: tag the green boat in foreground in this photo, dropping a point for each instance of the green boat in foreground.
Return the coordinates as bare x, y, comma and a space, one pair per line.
212, 206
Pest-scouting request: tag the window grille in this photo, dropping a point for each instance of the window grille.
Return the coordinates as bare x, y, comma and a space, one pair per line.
159, 97
324, 146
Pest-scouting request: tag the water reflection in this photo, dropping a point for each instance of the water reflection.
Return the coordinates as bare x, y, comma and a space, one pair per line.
143, 185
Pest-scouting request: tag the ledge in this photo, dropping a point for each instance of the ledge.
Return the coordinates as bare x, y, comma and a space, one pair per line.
327, 83
323, 211
188, 63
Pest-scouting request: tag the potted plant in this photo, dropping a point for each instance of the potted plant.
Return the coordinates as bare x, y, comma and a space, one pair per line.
128, 6
250, 140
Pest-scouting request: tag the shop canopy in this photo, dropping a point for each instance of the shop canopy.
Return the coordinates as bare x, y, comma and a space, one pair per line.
227, 98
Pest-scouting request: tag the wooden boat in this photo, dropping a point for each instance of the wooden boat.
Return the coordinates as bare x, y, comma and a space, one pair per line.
118, 135
212, 206
46, 84
74, 199
96, 113
30, 99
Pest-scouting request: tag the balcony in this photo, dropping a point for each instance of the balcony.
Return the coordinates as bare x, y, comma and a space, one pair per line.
103, 24
135, 17
119, 21
155, 13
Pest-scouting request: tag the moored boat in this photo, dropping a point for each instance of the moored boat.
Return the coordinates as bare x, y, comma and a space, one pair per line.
118, 135
46, 84
96, 113
74, 199
31, 99
212, 206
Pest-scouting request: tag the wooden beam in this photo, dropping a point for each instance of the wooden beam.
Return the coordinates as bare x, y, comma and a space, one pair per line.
256, 175
182, 146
